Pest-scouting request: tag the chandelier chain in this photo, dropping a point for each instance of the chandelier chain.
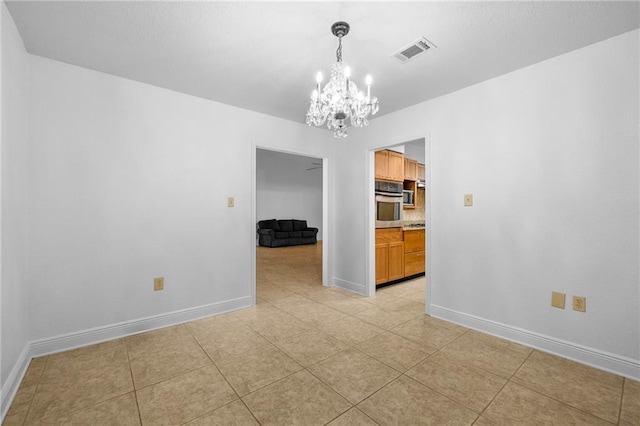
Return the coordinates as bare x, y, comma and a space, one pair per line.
339, 50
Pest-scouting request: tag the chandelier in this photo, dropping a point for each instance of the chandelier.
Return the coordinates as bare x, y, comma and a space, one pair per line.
340, 99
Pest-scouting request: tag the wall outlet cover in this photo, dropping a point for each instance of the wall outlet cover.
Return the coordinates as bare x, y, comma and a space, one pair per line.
579, 303
468, 200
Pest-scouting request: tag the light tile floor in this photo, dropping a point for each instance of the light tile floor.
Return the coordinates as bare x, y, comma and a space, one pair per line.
309, 355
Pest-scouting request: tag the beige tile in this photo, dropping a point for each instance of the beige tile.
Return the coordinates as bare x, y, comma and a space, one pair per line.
582, 387
407, 402
630, 413
395, 351
122, 410
516, 405
73, 382
351, 330
213, 324
353, 417
322, 294
231, 342
185, 397
17, 412
311, 347
315, 313
277, 325
429, 331
349, 305
34, 371
87, 351
383, 318
233, 414
466, 385
300, 399
492, 354
258, 368
162, 354
413, 308
353, 374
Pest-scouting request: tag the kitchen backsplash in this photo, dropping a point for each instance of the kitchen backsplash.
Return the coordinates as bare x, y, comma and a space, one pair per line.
417, 214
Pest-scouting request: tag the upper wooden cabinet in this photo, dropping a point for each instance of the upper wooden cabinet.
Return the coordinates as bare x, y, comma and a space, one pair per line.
389, 166
421, 173
410, 169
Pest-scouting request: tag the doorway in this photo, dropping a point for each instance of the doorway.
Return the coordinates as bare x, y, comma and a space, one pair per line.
415, 223
289, 186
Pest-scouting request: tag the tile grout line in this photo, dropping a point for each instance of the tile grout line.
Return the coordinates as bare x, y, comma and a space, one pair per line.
133, 383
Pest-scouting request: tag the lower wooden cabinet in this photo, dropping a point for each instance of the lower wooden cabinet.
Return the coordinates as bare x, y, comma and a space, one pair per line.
389, 255
413, 263
396, 261
414, 252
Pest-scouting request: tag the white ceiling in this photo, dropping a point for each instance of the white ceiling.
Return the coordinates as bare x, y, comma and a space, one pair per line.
263, 56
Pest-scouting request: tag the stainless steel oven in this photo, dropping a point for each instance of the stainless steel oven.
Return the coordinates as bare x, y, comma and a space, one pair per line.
388, 204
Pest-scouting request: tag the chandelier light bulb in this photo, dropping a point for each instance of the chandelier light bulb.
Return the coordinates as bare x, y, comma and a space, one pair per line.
340, 99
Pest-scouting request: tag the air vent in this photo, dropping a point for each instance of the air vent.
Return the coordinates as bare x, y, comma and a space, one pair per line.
412, 50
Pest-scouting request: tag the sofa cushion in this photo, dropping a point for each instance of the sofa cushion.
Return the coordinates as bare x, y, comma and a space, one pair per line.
295, 234
280, 234
308, 233
299, 225
269, 224
285, 225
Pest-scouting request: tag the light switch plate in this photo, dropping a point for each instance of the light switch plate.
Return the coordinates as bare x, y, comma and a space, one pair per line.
158, 283
230, 202
558, 299
468, 200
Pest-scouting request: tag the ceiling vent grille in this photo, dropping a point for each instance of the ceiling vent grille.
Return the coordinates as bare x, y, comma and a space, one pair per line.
412, 50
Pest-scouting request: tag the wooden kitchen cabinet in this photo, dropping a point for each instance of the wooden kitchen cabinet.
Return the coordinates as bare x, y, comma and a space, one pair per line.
396, 260
410, 169
421, 172
414, 252
389, 255
389, 166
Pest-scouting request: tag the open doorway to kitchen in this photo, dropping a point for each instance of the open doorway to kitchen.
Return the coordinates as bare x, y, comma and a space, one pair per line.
399, 221
290, 224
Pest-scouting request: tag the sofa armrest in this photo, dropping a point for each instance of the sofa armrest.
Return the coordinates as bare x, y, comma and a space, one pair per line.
269, 232
315, 230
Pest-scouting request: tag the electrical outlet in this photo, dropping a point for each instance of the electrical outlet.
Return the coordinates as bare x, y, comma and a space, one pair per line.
468, 200
579, 303
158, 283
557, 299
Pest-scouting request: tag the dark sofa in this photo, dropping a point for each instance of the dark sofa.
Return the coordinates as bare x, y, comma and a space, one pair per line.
281, 233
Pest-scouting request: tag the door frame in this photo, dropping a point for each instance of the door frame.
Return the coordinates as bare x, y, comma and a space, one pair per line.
371, 215
326, 234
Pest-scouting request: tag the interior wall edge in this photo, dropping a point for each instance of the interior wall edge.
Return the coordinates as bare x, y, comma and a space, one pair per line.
601, 360
10, 386
351, 286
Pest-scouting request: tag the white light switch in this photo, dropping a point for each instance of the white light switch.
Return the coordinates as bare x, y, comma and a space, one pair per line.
468, 200
230, 202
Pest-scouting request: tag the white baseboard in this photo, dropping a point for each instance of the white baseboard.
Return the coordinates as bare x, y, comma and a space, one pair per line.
101, 334
348, 285
11, 385
601, 360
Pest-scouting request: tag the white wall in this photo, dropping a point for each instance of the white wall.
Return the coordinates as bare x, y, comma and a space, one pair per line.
130, 182
550, 153
286, 190
14, 318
